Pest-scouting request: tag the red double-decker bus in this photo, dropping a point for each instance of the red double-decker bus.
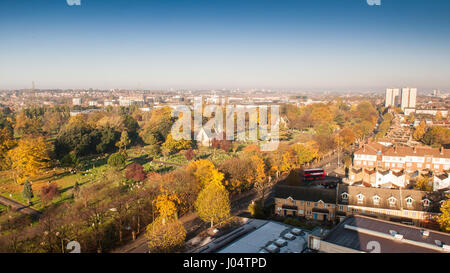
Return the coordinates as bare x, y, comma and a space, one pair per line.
313, 174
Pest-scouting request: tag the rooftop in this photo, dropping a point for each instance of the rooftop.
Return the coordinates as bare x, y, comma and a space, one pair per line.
270, 237
359, 233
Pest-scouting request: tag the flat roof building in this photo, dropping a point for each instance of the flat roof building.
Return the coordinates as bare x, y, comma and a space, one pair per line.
365, 234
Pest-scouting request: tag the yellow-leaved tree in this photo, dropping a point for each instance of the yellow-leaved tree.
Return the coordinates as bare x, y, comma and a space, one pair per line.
166, 233
205, 172
6, 143
420, 131
213, 203
259, 174
303, 153
30, 158
444, 218
165, 237
171, 146
166, 204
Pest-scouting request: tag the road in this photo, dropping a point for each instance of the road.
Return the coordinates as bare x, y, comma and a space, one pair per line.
16, 206
192, 223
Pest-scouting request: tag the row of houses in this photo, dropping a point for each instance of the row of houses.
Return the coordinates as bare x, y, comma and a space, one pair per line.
388, 166
376, 155
338, 201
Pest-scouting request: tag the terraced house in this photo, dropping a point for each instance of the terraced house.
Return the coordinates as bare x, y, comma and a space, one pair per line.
335, 202
394, 166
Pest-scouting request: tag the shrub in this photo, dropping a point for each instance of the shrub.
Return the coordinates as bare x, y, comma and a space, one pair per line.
117, 160
135, 172
48, 193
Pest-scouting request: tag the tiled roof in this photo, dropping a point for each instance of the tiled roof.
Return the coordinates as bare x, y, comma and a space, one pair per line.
306, 193
371, 148
417, 151
385, 194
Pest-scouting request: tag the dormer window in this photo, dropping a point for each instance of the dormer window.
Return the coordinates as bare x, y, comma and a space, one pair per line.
426, 202
376, 200
392, 201
409, 201
360, 198
344, 196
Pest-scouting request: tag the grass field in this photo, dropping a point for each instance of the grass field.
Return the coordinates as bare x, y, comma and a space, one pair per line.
93, 167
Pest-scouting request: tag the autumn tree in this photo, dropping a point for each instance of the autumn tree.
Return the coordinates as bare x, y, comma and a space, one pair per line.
213, 203
48, 193
437, 136
205, 172
165, 205
30, 158
420, 131
345, 138
173, 146
279, 163
135, 172
258, 172
29, 121
165, 237
6, 143
424, 183
303, 153
444, 218
189, 154
166, 232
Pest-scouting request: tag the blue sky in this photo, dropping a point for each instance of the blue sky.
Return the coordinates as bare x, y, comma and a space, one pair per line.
276, 44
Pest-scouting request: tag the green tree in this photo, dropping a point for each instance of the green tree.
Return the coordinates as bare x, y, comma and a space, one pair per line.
76, 190
27, 192
117, 160
123, 142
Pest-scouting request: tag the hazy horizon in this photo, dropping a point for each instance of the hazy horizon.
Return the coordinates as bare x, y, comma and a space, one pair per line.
313, 45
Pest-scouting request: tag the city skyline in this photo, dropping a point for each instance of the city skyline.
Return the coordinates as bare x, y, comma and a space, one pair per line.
300, 45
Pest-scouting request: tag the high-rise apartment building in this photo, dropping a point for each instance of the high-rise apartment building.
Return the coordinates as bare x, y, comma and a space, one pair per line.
392, 95
408, 98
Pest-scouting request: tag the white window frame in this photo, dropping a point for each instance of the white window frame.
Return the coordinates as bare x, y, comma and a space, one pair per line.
409, 201
392, 201
360, 198
376, 200
344, 196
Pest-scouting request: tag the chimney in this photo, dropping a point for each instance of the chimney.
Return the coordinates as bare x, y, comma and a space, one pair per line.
364, 147
395, 148
442, 150
414, 149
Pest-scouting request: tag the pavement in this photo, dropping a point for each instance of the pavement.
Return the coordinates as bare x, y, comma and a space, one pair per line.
16, 206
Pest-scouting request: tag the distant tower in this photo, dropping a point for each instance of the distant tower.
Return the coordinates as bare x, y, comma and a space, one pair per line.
33, 86
408, 98
392, 97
